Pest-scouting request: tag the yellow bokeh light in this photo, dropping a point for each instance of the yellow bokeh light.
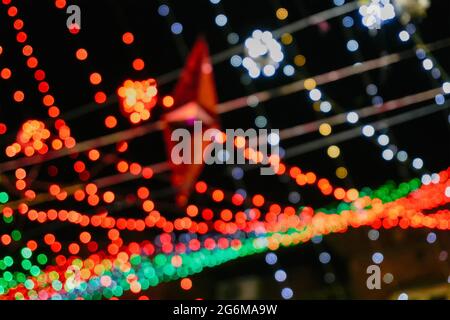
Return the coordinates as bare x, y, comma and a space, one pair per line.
316, 106
282, 13
310, 84
341, 173
325, 129
333, 152
286, 39
299, 60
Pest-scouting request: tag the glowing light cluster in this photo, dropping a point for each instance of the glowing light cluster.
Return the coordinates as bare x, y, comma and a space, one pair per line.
263, 54
376, 12
136, 267
137, 99
30, 139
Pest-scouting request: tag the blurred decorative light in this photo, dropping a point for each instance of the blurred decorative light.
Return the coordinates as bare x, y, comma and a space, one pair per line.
447, 192
368, 131
404, 36
376, 13
137, 98
377, 100
388, 278
236, 61
233, 38
325, 129
269, 70
325, 106
352, 117
252, 101
374, 234
163, 10
263, 54
271, 258
403, 296
273, 139
411, 28
443, 255
348, 22
317, 239
329, 277
428, 64
261, 121
435, 178
221, 20
32, 137
372, 89
315, 95
280, 275
446, 87
436, 73
237, 173
352, 45
440, 99
426, 179
417, 163
421, 54
282, 13
377, 257
341, 172
388, 154
402, 156
431, 238
176, 28
383, 140
288, 70
324, 257
333, 152
287, 293
294, 197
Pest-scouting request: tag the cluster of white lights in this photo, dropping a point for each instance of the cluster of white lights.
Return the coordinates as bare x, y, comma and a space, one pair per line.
263, 54
376, 12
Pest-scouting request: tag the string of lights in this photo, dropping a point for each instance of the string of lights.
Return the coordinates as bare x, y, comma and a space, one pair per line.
310, 225
122, 241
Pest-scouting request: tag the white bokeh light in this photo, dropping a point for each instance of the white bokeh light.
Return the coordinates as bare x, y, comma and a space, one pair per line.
263, 54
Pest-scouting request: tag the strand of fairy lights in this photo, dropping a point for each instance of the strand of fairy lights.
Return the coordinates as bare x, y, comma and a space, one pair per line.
384, 139
123, 224
48, 100
300, 61
261, 121
438, 74
389, 214
443, 190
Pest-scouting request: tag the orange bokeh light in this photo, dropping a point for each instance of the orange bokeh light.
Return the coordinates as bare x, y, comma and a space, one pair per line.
81, 54
128, 38
137, 98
